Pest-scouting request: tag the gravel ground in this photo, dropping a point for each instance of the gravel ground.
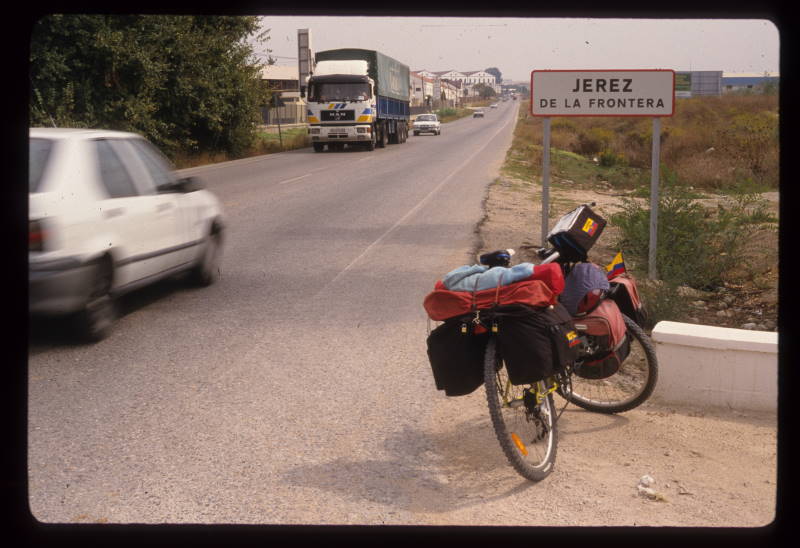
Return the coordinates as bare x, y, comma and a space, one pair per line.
707, 467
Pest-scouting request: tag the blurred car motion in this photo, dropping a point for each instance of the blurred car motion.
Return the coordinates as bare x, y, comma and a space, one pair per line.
477, 114
108, 214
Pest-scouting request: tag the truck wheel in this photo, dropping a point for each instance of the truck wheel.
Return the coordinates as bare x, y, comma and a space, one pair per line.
416, 133
319, 147
371, 144
382, 136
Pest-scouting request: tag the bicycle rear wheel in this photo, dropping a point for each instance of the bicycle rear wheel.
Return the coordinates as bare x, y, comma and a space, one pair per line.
526, 430
627, 388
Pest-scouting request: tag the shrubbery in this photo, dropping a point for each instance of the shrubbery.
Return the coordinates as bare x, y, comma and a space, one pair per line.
696, 247
188, 83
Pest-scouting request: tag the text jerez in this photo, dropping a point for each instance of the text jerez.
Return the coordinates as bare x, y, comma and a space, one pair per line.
586, 84
604, 85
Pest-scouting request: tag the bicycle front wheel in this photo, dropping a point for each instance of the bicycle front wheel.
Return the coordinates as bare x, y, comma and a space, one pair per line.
525, 428
626, 389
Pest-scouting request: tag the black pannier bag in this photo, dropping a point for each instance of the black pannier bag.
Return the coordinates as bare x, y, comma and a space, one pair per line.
535, 343
576, 232
456, 358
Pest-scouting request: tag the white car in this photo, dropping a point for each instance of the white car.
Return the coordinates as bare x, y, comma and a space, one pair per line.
494, 105
427, 123
107, 214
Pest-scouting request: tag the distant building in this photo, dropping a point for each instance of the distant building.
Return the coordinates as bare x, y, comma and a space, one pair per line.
697, 83
468, 79
715, 82
747, 82
422, 89
286, 81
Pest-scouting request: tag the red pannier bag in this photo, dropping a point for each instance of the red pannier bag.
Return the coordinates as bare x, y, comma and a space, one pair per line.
606, 333
624, 293
541, 289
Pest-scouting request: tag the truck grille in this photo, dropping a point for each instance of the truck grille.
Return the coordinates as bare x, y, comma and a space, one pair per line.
337, 115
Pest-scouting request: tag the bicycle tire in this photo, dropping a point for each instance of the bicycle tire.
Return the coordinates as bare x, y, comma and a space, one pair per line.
627, 388
514, 423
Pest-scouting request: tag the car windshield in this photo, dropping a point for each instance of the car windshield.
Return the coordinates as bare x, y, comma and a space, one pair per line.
426, 118
39, 152
324, 92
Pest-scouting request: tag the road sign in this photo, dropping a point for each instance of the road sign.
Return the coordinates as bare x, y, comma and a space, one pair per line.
603, 92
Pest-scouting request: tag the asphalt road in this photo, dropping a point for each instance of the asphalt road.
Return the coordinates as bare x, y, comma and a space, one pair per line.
297, 389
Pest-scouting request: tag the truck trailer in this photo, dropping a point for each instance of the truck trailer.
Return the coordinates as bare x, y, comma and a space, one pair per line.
357, 97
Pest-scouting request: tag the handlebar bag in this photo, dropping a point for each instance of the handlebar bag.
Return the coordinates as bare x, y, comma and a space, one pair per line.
535, 343
576, 232
456, 358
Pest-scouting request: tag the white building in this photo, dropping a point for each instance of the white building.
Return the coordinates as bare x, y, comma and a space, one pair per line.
467, 79
422, 89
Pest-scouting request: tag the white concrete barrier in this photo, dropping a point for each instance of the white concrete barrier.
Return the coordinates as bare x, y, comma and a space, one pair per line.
716, 366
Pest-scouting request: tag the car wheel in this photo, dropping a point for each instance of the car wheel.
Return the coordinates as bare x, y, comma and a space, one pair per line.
207, 270
95, 320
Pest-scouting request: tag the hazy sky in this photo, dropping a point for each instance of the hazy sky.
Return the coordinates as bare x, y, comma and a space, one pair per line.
518, 45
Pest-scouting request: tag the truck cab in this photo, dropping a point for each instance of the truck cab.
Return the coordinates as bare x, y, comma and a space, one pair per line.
341, 104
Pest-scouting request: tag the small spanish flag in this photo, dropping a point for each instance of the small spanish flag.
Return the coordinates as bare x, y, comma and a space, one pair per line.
616, 267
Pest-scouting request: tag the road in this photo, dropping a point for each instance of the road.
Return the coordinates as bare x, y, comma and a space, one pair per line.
297, 389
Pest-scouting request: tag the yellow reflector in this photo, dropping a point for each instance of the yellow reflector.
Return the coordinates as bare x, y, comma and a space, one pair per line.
519, 444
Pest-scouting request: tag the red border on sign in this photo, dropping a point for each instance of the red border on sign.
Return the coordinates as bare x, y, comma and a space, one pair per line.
605, 115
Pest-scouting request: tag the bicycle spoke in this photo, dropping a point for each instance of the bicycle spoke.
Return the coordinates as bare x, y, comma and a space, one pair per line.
625, 389
526, 429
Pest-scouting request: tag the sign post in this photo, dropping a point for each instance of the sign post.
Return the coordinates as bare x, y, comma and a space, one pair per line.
651, 252
545, 180
601, 92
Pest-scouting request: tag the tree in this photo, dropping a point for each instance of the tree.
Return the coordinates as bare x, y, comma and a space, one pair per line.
484, 91
188, 83
494, 71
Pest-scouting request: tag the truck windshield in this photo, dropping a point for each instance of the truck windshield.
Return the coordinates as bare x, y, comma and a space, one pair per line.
329, 91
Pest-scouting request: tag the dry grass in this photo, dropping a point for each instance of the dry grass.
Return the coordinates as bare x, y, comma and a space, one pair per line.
710, 142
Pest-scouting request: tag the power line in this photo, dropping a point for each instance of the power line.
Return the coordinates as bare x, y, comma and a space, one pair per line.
274, 56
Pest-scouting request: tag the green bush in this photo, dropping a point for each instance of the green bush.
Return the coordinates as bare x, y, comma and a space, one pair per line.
593, 140
694, 248
609, 158
663, 302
